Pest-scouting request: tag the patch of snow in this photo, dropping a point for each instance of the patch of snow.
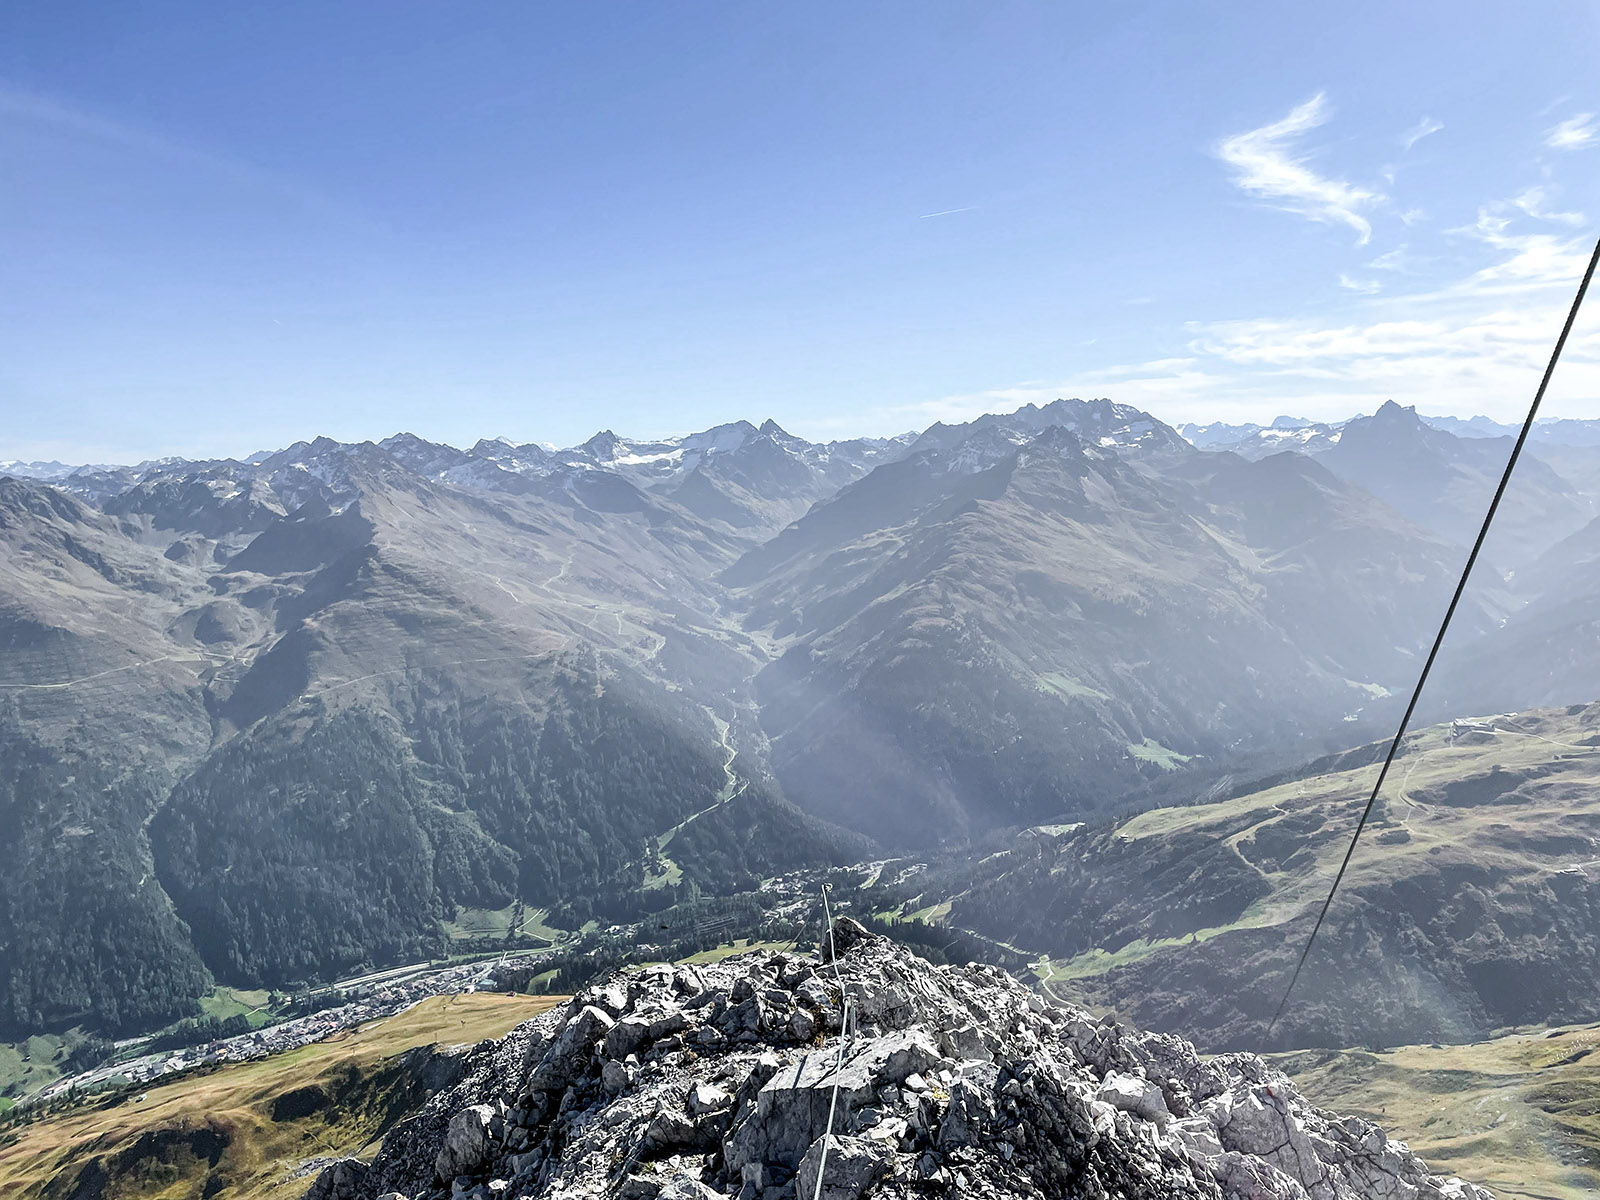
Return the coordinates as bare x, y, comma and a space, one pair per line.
639, 460
723, 439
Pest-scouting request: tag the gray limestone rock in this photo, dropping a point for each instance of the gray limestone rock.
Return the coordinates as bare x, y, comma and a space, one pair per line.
852, 1166
339, 1181
675, 1084
468, 1141
573, 1049
615, 1076
625, 1037
1134, 1094
704, 1098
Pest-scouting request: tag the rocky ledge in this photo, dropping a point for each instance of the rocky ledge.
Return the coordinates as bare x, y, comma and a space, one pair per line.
693, 1083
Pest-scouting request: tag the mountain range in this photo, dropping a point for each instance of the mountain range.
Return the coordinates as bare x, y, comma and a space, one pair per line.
1440, 472
273, 719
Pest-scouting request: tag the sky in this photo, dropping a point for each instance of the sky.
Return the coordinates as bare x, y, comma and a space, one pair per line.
228, 227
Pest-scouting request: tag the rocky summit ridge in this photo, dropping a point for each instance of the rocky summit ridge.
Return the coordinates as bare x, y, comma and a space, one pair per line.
699, 1082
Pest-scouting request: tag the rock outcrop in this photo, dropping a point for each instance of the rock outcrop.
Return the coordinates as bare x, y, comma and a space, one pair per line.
694, 1083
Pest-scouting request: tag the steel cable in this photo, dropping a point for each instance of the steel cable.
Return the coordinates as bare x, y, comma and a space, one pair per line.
1416, 694
845, 1031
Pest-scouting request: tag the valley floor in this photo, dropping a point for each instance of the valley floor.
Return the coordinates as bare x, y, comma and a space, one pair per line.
370, 996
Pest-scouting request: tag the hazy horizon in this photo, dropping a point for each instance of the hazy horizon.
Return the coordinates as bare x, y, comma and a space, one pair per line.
223, 233
663, 435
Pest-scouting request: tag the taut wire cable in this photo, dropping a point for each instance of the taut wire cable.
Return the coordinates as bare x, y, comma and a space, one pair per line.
1461, 585
845, 1031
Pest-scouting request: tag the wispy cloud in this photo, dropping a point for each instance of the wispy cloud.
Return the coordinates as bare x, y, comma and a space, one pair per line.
1267, 166
1423, 128
1366, 287
1535, 202
1575, 133
1528, 259
1473, 344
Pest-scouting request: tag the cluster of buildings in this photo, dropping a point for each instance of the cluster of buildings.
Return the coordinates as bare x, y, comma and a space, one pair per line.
372, 998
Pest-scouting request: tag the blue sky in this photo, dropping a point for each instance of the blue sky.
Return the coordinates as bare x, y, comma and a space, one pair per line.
226, 227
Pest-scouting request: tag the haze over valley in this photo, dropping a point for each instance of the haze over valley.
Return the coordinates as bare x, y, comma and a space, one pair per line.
758, 602
273, 721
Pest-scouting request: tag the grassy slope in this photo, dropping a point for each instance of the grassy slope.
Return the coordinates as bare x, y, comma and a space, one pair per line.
236, 1101
1415, 802
1519, 1114
30, 1064
471, 923
1469, 909
737, 946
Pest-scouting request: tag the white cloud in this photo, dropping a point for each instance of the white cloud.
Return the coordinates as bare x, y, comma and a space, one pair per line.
1474, 338
1474, 344
1423, 128
1575, 133
1365, 286
1528, 260
1535, 202
1266, 166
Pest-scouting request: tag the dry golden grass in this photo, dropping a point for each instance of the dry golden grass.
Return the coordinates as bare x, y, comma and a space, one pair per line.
1518, 1114
162, 1147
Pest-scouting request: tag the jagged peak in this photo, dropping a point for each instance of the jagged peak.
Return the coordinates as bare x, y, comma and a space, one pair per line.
1393, 412
602, 445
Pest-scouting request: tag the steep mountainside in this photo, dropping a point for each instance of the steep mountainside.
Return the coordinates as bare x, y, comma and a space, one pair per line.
1019, 626
1444, 482
1441, 471
1098, 423
85, 609
1515, 1113
245, 1131
1548, 652
339, 701
1258, 441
